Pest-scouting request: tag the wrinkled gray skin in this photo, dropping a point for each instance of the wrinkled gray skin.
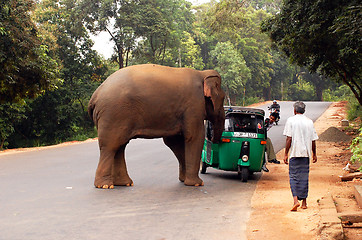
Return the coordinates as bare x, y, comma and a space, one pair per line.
153, 101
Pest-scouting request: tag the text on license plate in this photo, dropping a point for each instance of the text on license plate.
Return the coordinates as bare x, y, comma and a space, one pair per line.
245, 135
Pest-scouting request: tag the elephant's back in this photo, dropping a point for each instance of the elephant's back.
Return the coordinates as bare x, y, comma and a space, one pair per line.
148, 72
139, 79
150, 86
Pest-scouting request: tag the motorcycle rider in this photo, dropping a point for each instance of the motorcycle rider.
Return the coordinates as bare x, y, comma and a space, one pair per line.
275, 105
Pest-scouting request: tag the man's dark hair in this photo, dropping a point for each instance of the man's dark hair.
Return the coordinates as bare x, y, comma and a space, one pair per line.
299, 107
274, 114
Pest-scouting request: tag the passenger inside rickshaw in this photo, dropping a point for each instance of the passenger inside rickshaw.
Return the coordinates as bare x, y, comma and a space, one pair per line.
244, 123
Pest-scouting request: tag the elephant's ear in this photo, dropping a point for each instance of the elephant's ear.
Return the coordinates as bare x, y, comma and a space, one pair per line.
212, 89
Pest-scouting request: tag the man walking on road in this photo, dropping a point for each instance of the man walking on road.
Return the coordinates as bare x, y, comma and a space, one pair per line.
301, 137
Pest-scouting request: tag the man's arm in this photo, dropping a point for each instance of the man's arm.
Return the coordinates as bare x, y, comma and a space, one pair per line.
288, 143
314, 151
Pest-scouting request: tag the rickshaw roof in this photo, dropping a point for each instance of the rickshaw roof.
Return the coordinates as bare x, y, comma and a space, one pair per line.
243, 110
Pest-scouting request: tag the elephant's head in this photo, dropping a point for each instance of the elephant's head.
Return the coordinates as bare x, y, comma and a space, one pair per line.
214, 103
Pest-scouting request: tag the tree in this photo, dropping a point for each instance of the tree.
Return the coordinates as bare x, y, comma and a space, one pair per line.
320, 83
189, 55
82, 66
232, 68
11, 114
280, 77
26, 69
203, 35
272, 6
162, 33
324, 36
118, 18
143, 29
234, 21
61, 113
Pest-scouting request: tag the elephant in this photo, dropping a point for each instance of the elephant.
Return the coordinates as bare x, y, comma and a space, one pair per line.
154, 101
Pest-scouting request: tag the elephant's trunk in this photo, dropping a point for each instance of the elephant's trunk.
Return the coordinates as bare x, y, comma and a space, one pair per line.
218, 123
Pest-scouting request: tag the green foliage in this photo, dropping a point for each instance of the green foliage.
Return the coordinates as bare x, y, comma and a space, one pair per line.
47, 52
302, 90
143, 31
26, 68
272, 6
342, 93
234, 22
322, 35
339, 93
356, 149
226, 16
61, 113
354, 109
190, 53
203, 35
249, 101
10, 114
232, 68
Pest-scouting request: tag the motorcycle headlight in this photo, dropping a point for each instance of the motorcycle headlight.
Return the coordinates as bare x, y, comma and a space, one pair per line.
245, 158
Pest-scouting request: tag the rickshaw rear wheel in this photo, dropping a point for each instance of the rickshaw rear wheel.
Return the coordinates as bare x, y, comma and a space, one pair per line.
203, 168
244, 174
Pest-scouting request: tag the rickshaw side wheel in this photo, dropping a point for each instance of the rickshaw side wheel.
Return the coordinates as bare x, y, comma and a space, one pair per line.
244, 174
203, 168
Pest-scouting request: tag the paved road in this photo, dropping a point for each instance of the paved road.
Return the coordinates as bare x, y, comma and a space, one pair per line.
49, 194
313, 111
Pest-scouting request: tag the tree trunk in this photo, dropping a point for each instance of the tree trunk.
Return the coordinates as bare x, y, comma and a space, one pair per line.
267, 93
354, 86
120, 58
319, 93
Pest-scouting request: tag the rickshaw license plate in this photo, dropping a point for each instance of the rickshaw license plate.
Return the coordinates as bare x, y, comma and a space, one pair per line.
245, 135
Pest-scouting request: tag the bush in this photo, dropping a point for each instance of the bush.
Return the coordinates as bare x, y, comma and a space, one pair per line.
354, 109
252, 100
341, 93
356, 149
303, 91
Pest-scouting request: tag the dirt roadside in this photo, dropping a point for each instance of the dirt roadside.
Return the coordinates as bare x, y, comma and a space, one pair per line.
271, 217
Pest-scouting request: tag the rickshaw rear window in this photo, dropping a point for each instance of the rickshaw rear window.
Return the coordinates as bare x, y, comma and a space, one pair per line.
244, 123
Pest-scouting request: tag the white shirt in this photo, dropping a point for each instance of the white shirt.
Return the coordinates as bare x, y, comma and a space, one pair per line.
301, 129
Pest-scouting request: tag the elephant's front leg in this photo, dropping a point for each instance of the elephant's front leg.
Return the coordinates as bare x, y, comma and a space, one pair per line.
119, 172
177, 145
193, 147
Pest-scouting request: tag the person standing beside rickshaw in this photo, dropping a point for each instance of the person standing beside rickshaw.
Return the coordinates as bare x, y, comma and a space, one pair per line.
272, 158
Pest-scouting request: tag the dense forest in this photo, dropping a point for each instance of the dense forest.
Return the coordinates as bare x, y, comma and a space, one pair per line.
263, 49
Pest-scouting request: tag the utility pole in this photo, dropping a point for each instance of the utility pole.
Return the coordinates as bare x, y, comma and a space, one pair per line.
244, 97
179, 57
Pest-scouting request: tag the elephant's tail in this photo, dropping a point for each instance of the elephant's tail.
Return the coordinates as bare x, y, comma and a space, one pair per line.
91, 106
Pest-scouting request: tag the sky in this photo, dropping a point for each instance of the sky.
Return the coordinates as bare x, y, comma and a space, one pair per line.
105, 47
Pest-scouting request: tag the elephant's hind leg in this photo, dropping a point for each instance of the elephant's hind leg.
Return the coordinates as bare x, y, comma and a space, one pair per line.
177, 145
103, 177
119, 172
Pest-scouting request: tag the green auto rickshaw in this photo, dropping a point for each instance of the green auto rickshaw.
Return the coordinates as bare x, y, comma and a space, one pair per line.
242, 145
